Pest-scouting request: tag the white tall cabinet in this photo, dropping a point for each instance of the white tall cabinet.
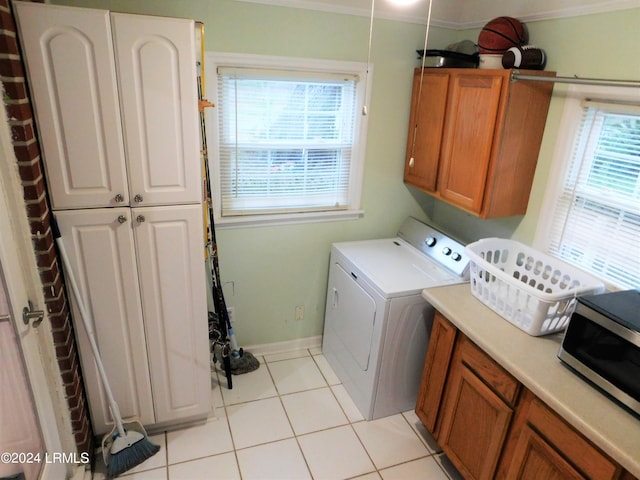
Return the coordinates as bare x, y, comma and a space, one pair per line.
115, 99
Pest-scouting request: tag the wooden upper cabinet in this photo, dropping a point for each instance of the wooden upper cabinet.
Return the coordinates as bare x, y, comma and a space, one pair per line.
474, 138
425, 131
466, 146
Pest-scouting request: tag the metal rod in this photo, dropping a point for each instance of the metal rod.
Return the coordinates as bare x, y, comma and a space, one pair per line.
424, 58
365, 109
516, 75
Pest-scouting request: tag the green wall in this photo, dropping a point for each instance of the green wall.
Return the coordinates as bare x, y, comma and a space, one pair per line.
268, 271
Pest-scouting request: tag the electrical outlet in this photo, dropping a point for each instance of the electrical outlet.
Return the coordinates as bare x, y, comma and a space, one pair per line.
299, 312
231, 311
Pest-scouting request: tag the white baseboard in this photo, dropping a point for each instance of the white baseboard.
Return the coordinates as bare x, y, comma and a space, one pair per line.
278, 347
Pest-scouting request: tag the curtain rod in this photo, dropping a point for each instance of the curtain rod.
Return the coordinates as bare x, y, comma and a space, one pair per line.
516, 75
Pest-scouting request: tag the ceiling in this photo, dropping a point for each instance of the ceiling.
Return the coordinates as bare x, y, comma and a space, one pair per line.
460, 14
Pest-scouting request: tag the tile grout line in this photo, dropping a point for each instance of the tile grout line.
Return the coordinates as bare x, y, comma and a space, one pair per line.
226, 418
296, 436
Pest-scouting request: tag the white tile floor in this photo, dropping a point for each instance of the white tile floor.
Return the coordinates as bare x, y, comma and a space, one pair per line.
292, 419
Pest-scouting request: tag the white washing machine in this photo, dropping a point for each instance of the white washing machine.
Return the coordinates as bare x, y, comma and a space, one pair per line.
377, 325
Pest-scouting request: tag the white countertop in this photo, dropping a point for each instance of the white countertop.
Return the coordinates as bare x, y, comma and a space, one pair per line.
533, 361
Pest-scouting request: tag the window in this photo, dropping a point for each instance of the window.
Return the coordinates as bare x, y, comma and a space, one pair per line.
594, 213
288, 138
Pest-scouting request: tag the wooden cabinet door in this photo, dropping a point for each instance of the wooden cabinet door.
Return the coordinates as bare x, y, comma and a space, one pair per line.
434, 375
171, 265
534, 459
102, 255
474, 424
426, 124
69, 57
156, 64
542, 445
472, 111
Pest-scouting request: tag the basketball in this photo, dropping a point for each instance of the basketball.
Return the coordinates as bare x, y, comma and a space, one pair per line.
500, 34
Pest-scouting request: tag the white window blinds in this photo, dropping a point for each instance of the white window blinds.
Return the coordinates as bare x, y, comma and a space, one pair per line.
596, 221
286, 140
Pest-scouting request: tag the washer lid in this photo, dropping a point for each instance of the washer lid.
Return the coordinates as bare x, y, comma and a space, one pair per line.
394, 267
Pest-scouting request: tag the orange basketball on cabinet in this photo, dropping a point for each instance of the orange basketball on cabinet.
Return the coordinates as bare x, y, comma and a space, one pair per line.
500, 34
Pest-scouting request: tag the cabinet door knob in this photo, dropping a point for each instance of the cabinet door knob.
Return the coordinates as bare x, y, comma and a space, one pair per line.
140, 218
122, 219
412, 161
119, 198
137, 198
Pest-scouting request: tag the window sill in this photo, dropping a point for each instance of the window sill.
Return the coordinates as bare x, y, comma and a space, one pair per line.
286, 219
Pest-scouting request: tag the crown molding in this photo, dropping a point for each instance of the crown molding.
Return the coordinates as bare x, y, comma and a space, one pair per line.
555, 13
404, 15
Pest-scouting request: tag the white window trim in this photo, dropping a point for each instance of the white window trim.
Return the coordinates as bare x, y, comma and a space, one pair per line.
569, 124
212, 60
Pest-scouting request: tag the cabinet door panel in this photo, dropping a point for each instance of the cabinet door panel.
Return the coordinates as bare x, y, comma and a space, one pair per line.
155, 58
468, 139
581, 453
102, 256
474, 424
435, 371
535, 459
172, 280
69, 58
425, 130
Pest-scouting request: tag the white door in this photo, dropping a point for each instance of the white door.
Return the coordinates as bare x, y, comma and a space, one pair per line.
156, 64
350, 317
20, 433
69, 57
101, 248
27, 416
170, 248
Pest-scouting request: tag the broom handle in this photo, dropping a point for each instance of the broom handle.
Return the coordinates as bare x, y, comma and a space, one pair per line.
113, 406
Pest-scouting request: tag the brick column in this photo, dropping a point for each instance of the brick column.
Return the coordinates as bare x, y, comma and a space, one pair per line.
27, 150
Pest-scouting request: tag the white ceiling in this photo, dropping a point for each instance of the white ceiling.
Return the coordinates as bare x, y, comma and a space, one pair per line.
460, 14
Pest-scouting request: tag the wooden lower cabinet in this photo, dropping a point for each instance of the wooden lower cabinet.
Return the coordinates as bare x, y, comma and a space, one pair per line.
538, 459
473, 412
434, 375
476, 411
543, 445
490, 426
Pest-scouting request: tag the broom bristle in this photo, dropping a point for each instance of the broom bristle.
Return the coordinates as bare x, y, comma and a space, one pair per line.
130, 457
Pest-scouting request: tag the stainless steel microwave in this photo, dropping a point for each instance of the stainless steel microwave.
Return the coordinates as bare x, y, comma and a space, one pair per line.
602, 343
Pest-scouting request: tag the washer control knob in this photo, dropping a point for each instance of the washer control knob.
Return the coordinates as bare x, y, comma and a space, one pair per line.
430, 241
446, 251
456, 256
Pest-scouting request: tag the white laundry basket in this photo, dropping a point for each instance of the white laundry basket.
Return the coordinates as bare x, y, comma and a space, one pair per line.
535, 292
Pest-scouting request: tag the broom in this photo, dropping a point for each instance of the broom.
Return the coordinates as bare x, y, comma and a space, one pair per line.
122, 448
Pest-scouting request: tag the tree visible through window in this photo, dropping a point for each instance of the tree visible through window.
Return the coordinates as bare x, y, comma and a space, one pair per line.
596, 223
288, 140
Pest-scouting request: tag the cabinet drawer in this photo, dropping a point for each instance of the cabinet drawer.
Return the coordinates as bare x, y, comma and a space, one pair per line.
496, 377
